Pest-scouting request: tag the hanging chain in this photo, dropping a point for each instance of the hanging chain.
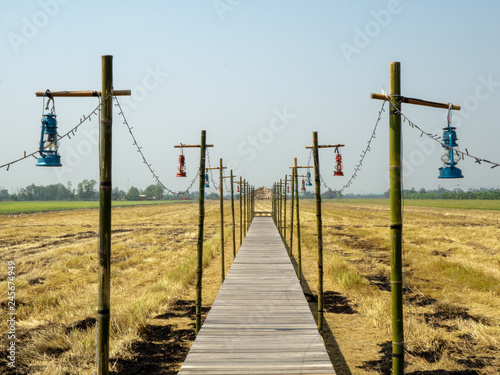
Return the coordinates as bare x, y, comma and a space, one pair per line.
139, 150
215, 186
68, 134
363, 154
437, 138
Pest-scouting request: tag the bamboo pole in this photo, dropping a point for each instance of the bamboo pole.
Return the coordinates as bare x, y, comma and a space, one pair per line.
83, 93
221, 185
299, 249
201, 221
402, 99
292, 190
280, 207
284, 210
104, 251
241, 211
320, 231
244, 207
232, 214
396, 221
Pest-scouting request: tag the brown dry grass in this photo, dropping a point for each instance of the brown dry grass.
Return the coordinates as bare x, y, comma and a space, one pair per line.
452, 269
153, 262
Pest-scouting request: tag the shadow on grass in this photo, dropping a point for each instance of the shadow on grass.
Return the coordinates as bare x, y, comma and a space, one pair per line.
162, 349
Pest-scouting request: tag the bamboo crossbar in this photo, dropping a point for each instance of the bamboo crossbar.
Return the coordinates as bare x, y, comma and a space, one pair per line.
327, 146
300, 167
418, 102
187, 146
216, 168
81, 93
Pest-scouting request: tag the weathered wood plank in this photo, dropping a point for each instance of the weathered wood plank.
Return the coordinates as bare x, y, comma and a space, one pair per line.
260, 322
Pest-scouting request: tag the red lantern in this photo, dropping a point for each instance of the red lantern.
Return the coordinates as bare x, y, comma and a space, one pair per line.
303, 185
288, 189
338, 165
237, 188
182, 166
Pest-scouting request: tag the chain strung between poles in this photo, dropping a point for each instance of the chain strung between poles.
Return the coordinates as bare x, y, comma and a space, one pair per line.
70, 133
139, 150
363, 154
437, 138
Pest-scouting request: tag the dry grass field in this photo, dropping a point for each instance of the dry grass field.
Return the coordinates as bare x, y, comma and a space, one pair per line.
153, 263
452, 270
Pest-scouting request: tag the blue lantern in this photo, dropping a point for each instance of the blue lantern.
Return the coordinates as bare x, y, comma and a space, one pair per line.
207, 184
49, 144
309, 183
451, 156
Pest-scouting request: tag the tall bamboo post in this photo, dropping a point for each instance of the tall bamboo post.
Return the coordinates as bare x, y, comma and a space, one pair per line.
201, 221
232, 213
396, 220
241, 211
104, 252
320, 231
299, 248
244, 188
281, 207
292, 191
284, 209
221, 185
273, 202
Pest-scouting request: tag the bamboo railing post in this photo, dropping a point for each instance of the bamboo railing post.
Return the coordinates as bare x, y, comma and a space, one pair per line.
396, 220
320, 231
292, 191
201, 221
244, 207
221, 187
232, 213
104, 251
284, 210
241, 211
281, 207
299, 249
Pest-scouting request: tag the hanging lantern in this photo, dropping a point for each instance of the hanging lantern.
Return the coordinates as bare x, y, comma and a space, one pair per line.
237, 188
309, 183
207, 184
49, 144
450, 157
338, 163
288, 189
303, 185
182, 166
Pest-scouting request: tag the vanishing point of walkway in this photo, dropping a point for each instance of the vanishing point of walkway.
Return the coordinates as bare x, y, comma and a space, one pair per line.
260, 322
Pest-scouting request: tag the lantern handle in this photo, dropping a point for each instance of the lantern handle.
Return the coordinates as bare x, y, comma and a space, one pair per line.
49, 96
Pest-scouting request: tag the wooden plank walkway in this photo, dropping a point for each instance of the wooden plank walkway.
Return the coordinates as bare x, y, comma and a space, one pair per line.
260, 322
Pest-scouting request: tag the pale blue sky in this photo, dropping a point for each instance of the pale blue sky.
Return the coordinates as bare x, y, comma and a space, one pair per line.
273, 71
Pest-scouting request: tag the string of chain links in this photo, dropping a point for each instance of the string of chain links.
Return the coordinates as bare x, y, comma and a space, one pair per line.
139, 150
438, 139
363, 154
70, 133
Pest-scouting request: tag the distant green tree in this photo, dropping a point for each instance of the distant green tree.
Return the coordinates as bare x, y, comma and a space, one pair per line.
118, 194
133, 194
86, 190
4, 195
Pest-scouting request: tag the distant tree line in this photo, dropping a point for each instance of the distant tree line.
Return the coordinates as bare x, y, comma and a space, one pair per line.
87, 191
441, 193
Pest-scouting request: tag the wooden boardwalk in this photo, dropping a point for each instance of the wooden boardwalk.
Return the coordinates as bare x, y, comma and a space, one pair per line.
260, 322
